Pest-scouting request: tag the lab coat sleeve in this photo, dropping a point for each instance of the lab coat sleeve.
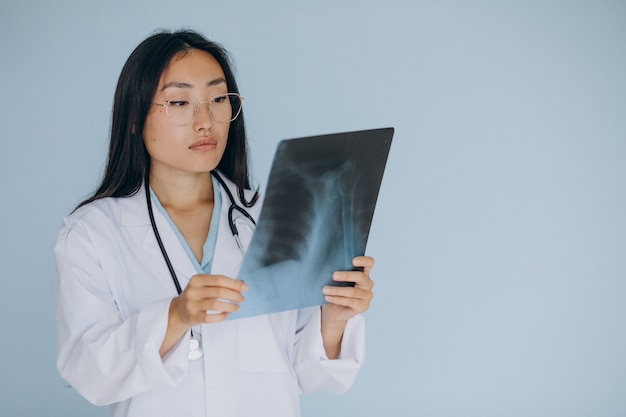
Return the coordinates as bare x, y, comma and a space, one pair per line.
104, 357
313, 367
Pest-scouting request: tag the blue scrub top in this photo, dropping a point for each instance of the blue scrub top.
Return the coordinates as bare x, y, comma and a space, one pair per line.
208, 249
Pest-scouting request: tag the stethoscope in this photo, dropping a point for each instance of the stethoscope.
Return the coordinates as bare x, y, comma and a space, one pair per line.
231, 210
195, 344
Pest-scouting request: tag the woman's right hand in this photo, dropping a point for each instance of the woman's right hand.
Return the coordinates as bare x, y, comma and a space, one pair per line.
216, 294
206, 299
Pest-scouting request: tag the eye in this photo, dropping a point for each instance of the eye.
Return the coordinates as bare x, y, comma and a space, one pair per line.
179, 102
220, 99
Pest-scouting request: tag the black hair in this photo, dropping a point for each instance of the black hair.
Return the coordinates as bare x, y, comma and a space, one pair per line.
128, 161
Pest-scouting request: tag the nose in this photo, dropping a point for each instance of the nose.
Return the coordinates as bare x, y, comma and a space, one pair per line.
204, 117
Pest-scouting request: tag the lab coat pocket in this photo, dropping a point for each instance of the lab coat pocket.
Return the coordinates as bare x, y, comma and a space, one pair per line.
261, 346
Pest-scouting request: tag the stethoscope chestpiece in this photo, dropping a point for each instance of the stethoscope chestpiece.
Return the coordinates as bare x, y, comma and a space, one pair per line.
195, 346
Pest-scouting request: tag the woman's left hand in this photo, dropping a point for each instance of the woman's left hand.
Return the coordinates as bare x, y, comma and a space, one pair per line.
347, 302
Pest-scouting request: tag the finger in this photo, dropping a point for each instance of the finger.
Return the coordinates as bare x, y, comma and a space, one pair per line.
205, 280
212, 311
359, 278
220, 293
364, 262
348, 292
209, 307
213, 318
356, 304
214, 286
209, 293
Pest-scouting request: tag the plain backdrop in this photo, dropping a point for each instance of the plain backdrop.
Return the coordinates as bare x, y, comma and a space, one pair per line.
500, 230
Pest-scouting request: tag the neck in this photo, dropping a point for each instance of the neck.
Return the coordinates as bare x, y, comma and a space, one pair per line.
182, 191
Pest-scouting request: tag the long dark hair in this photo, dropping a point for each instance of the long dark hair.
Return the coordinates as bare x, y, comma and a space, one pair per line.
128, 162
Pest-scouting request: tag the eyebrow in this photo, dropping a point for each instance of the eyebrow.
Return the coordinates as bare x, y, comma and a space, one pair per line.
180, 84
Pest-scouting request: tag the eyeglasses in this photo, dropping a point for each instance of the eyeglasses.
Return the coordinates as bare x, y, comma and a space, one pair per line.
182, 111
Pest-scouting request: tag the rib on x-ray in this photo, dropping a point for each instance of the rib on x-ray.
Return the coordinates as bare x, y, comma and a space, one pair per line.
325, 199
315, 218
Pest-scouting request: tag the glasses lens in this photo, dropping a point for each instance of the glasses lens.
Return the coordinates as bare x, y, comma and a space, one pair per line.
181, 110
225, 107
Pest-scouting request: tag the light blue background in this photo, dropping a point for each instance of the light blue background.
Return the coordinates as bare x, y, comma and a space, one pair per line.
500, 234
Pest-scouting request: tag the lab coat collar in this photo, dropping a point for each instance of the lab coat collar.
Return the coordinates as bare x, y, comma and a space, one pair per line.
227, 258
135, 218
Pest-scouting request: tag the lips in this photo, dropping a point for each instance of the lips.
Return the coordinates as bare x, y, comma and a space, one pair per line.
204, 144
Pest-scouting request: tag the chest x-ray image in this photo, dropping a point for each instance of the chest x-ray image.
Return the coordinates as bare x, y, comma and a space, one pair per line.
315, 218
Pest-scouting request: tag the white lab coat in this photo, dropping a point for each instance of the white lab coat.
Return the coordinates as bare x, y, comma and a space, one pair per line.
114, 291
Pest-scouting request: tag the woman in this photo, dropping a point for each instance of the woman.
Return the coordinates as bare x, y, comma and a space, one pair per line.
146, 265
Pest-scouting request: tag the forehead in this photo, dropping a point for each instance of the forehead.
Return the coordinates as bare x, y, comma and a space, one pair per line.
194, 67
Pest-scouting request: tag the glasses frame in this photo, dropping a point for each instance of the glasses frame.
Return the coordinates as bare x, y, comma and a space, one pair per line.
197, 108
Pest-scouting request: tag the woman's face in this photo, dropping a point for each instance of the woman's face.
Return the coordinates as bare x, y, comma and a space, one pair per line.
196, 147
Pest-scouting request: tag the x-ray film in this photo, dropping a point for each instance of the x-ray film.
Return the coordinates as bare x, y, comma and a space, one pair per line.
316, 216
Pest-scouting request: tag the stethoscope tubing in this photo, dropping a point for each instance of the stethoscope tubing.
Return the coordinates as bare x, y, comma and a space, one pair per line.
195, 349
231, 209
231, 223
159, 240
